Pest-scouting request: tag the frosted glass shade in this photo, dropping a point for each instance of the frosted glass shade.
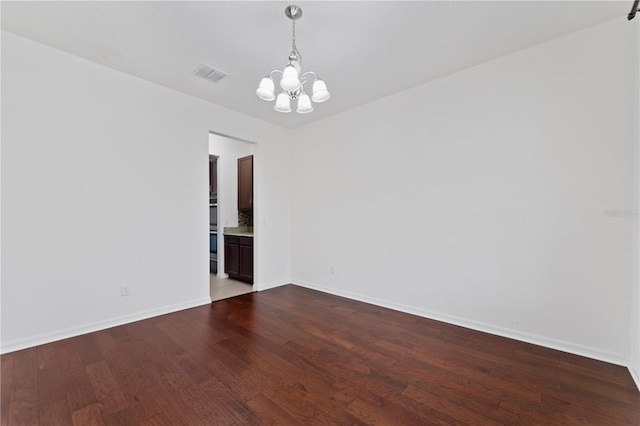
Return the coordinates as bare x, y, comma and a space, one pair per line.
282, 103
265, 89
304, 104
320, 92
290, 80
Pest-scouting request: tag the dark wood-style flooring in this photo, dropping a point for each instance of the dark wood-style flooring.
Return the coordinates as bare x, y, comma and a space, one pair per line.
293, 356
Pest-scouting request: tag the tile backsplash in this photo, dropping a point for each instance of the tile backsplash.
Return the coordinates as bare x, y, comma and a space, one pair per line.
245, 218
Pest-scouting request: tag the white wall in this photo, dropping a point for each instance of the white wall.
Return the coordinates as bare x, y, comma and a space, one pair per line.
228, 150
104, 183
479, 198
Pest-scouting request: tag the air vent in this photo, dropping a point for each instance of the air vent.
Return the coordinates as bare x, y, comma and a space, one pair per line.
207, 72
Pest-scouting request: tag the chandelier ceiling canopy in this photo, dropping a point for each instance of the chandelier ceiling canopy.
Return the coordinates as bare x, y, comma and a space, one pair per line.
292, 80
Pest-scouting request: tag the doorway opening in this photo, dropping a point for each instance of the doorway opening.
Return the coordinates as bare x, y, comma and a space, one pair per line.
231, 217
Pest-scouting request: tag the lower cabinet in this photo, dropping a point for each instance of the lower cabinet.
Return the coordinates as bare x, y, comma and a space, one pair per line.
238, 258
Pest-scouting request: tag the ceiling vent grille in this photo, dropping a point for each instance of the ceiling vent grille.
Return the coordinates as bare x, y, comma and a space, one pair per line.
209, 73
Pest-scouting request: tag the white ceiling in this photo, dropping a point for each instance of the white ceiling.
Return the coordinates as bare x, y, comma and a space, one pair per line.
363, 50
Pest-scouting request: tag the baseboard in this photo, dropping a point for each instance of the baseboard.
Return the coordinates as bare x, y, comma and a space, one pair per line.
635, 376
267, 286
560, 345
223, 276
42, 339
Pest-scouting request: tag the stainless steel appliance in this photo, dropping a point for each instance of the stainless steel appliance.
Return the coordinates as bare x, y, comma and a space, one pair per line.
213, 234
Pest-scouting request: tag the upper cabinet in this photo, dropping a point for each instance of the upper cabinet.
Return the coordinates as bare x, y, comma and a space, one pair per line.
245, 183
213, 175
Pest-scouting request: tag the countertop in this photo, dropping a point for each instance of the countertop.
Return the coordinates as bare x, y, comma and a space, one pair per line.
239, 231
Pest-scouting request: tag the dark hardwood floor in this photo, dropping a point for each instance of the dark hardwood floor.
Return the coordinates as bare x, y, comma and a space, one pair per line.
293, 356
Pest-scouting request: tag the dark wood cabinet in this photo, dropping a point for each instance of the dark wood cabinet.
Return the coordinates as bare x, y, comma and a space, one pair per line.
245, 183
238, 258
246, 262
232, 257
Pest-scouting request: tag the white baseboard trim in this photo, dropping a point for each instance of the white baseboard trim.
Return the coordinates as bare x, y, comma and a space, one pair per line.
41, 339
267, 286
548, 342
635, 375
223, 276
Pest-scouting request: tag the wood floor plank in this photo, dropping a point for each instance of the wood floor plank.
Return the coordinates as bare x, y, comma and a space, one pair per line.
380, 398
141, 403
277, 360
370, 413
428, 377
455, 407
56, 413
270, 412
76, 380
89, 415
24, 382
6, 369
153, 369
224, 369
292, 355
89, 350
297, 401
159, 419
47, 355
619, 410
530, 413
5, 398
460, 370
565, 370
220, 400
208, 407
24, 411
51, 385
113, 354
591, 414
105, 387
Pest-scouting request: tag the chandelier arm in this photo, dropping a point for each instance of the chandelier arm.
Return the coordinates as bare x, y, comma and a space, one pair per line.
309, 72
303, 77
271, 73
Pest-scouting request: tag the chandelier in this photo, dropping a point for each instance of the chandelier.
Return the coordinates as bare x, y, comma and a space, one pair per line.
292, 81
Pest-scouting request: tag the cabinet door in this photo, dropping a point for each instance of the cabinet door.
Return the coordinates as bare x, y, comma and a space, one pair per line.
245, 183
232, 259
246, 263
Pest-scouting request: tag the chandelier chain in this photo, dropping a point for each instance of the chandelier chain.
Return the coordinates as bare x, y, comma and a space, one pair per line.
294, 48
293, 35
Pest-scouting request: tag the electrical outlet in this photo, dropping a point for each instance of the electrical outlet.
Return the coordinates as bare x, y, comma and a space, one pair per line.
124, 290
